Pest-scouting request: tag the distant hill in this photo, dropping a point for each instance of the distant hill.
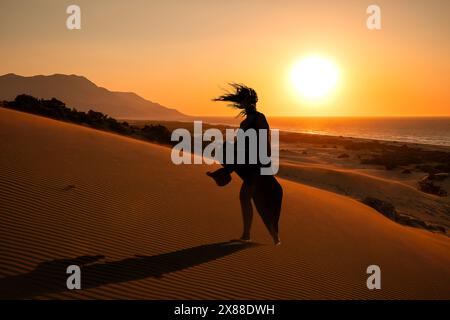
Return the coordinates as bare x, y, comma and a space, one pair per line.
82, 94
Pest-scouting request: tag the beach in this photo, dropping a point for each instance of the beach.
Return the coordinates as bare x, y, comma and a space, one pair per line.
144, 228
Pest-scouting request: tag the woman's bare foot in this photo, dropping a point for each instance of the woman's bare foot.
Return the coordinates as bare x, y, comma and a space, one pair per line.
275, 237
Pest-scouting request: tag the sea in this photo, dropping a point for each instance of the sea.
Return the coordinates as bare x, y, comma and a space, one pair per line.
423, 130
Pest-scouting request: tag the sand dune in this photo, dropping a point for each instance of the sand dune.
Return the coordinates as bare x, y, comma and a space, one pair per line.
145, 228
359, 184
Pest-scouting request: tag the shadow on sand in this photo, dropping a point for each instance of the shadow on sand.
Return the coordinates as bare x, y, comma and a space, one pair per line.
50, 276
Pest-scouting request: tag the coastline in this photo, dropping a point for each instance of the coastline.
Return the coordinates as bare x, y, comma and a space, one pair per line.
414, 130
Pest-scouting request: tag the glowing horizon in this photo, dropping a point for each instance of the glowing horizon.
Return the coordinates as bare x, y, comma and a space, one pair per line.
181, 54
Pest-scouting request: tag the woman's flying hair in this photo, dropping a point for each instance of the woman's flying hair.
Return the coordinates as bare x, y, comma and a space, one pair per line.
242, 97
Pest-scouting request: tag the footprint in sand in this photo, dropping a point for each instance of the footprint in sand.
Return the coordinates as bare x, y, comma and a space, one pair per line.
69, 187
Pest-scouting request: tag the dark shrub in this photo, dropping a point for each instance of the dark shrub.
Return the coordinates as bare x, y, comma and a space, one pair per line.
156, 133
385, 208
427, 185
57, 109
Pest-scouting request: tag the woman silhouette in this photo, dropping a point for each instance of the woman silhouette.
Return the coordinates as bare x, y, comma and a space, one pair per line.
265, 190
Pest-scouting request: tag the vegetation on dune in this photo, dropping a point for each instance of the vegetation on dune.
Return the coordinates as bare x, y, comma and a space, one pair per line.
390, 155
388, 210
429, 161
55, 109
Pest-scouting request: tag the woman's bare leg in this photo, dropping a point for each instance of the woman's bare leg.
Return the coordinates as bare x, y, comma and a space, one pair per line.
275, 236
245, 197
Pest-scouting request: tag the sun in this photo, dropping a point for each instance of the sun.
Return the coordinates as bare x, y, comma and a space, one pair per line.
315, 77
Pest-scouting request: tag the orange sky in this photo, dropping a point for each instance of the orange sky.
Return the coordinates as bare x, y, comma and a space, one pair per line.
180, 53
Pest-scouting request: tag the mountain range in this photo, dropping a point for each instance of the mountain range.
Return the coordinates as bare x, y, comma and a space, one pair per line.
81, 93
